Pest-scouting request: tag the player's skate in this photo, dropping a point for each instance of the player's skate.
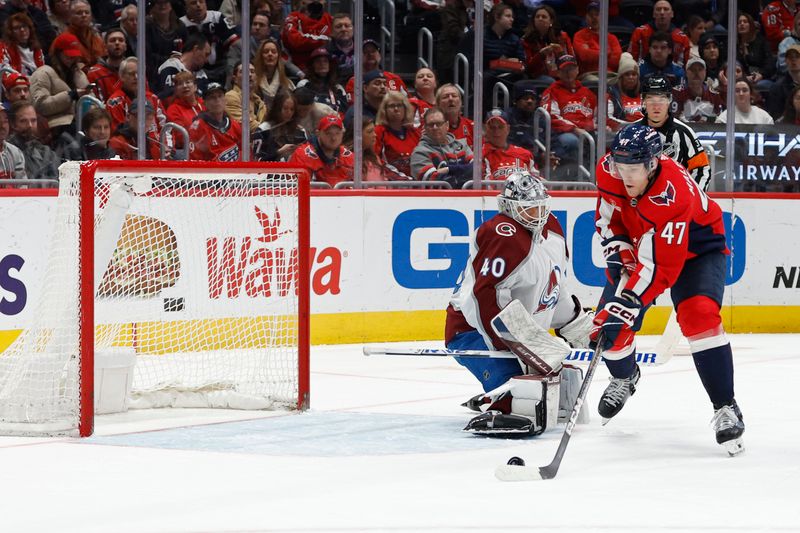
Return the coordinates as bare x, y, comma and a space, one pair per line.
729, 426
616, 394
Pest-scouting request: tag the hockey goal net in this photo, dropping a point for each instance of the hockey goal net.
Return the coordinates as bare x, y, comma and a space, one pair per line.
196, 271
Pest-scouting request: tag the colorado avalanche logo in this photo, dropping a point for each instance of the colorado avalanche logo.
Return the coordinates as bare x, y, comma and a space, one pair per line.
551, 292
505, 229
666, 198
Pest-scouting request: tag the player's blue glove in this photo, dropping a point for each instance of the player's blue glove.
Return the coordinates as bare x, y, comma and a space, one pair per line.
619, 254
616, 321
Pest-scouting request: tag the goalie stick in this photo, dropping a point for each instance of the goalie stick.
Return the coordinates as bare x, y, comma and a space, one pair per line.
651, 358
516, 470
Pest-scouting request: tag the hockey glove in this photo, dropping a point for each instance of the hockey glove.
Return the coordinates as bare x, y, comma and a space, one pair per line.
459, 170
616, 321
618, 253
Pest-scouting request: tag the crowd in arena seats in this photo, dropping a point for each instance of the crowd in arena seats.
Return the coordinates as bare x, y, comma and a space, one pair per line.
301, 78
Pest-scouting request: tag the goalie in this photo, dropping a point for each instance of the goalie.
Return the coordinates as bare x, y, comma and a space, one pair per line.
511, 292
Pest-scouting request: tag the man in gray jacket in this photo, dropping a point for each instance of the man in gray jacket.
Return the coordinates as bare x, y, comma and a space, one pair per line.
439, 155
12, 162
40, 161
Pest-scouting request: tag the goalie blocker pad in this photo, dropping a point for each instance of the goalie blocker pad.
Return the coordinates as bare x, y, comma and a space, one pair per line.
528, 340
527, 405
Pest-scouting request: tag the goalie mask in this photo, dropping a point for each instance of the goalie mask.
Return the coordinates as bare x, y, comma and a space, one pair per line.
525, 199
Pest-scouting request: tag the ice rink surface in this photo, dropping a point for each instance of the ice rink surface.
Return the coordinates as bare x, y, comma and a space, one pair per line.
382, 450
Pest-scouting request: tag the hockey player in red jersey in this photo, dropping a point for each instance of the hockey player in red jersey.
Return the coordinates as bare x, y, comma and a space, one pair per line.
518, 255
660, 231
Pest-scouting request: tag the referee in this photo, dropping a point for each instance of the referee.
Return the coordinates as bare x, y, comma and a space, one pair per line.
680, 142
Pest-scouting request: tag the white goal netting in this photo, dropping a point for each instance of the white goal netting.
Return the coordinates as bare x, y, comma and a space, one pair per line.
196, 273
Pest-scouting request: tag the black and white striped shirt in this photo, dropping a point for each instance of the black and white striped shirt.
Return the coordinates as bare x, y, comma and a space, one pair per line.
682, 145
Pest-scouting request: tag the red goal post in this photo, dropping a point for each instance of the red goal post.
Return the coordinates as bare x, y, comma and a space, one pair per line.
197, 272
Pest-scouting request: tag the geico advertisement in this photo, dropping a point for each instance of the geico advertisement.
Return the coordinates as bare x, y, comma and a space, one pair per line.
210, 257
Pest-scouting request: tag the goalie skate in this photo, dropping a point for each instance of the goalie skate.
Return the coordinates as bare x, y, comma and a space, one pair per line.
728, 425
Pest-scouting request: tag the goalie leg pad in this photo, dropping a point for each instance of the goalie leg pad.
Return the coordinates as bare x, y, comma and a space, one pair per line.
528, 340
571, 381
533, 397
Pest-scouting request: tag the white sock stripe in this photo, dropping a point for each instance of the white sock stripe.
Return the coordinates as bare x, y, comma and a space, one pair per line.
706, 343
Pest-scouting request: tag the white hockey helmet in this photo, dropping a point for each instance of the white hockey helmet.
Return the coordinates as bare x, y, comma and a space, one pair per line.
525, 199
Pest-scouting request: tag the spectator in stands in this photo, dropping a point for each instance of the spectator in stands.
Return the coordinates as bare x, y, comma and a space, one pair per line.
395, 134
196, 50
214, 136
572, 108
780, 91
15, 87
587, 46
448, 100
107, 12
40, 161
20, 49
544, 41
721, 83
44, 30
220, 34
374, 91
709, 53
372, 168
342, 47
56, 87
439, 156
503, 54
260, 31
784, 45
372, 61
520, 116
695, 28
501, 158
119, 101
425, 85
278, 137
777, 20
454, 24
791, 112
714, 13
81, 25
745, 111
58, 14
660, 61
125, 139
309, 112
322, 78
12, 162
662, 22
625, 94
324, 155
233, 99
186, 104
753, 52
128, 23
271, 75
164, 35
105, 73
305, 30
696, 101
92, 142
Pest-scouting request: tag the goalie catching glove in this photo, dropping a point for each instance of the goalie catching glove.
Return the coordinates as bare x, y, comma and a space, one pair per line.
616, 321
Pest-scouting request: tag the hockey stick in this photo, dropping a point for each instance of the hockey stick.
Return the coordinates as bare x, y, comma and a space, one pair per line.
575, 356
516, 470
665, 348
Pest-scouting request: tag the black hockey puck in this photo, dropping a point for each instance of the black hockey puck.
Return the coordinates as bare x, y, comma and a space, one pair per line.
516, 461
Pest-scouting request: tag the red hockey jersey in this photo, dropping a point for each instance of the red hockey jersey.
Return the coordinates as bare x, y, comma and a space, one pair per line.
117, 107
214, 142
330, 171
393, 83
302, 35
671, 222
463, 130
396, 151
570, 108
500, 162
105, 78
777, 20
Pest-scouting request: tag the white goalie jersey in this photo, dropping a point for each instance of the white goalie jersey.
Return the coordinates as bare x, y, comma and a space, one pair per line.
508, 262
